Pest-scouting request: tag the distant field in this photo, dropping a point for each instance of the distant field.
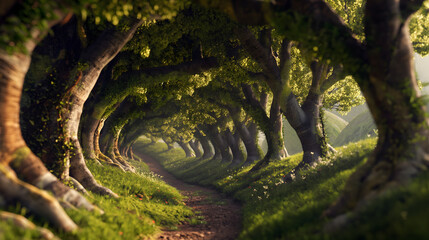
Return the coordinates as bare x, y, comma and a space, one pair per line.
359, 128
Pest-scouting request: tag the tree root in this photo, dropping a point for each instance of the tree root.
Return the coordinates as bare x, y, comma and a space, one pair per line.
24, 223
36, 200
30, 169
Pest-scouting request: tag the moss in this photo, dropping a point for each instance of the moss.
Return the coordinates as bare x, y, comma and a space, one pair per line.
19, 155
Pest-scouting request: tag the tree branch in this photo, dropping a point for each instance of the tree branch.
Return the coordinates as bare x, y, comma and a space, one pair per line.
260, 54
337, 74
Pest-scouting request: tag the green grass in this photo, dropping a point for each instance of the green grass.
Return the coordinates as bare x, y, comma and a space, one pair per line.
359, 128
273, 209
146, 205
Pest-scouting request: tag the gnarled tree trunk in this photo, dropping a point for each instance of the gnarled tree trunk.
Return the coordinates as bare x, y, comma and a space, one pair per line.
14, 150
97, 56
392, 94
195, 145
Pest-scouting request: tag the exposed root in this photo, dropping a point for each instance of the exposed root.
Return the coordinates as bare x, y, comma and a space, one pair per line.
116, 165
125, 165
24, 223
31, 169
308, 160
374, 179
36, 200
103, 157
76, 185
68, 197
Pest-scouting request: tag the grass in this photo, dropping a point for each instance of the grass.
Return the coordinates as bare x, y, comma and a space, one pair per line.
273, 209
361, 127
146, 205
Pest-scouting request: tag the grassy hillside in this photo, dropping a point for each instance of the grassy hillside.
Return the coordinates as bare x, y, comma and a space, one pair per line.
275, 210
146, 204
354, 112
333, 126
359, 128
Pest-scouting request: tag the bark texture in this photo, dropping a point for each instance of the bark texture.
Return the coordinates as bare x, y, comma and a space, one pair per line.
14, 151
402, 150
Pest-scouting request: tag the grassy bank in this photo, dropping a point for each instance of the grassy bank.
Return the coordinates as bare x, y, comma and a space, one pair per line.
273, 209
146, 205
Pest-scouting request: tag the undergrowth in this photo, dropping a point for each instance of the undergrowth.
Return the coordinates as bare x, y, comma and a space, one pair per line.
146, 205
273, 209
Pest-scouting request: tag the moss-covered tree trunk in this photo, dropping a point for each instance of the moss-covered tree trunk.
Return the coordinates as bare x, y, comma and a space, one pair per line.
393, 98
271, 126
305, 119
14, 151
76, 72
96, 56
91, 127
276, 129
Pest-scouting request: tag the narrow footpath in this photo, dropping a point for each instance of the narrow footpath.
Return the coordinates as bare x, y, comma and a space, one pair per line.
221, 216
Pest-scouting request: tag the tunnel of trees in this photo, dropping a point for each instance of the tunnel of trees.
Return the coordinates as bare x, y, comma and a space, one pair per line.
81, 81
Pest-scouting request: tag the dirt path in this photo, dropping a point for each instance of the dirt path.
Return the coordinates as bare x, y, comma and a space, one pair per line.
222, 215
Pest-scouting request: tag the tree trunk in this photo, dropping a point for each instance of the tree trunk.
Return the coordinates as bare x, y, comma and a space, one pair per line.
217, 150
271, 126
187, 149
233, 141
14, 150
115, 151
168, 143
97, 134
306, 123
221, 144
205, 144
276, 131
252, 149
77, 72
131, 152
195, 145
393, 98
90, 129
97, 56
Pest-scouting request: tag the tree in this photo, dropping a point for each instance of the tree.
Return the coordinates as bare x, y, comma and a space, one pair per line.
382, 66
14, 151
63, 92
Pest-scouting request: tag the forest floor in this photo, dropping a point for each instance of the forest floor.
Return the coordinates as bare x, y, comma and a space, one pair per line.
218, 217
